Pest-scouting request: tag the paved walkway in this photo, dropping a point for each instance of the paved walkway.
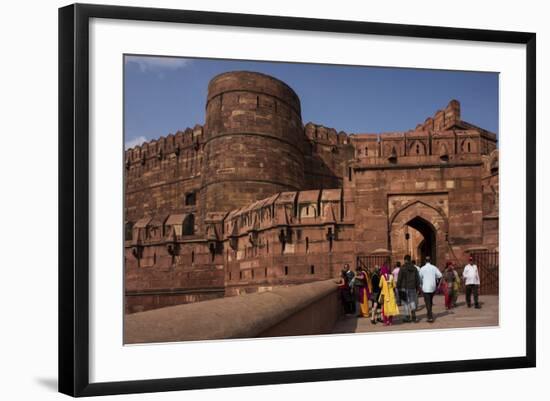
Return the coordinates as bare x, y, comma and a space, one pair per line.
461, 316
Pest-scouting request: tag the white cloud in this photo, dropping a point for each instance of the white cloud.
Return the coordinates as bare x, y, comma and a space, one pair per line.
134, 142
157, 64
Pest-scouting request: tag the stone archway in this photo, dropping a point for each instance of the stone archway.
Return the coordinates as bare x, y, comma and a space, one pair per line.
418, 229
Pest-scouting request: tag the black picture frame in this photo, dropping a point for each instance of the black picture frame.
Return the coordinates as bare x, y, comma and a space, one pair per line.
74, 198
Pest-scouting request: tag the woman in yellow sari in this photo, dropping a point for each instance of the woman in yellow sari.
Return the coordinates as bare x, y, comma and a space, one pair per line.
387, 296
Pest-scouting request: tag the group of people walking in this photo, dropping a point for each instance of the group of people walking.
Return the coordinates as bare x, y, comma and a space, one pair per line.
378, 293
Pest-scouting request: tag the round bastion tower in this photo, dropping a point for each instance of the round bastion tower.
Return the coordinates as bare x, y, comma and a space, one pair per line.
254, 140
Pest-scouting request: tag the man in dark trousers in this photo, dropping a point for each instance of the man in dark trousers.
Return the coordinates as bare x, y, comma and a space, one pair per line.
471, 280
429, 274
408, 282
350, 275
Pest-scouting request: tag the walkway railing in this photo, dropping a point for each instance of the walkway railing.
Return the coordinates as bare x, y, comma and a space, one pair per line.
488, 264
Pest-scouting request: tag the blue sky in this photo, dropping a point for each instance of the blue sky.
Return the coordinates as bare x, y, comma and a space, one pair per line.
166, 94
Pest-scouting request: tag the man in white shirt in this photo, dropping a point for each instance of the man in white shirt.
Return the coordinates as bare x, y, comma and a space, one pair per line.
429, 274
471, 281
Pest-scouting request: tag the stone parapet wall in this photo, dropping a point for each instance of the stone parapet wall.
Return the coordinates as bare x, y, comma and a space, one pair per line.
305, 309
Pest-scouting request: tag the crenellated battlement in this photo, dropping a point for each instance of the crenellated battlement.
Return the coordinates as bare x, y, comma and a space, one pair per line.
421, 147
442, 119
190, 138
317, 133
163, 175
443, 135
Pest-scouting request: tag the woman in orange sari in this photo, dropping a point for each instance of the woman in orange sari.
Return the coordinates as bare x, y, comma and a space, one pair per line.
362, 289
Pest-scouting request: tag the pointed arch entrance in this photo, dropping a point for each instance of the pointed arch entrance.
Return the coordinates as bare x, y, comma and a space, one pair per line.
418, 229
422, 241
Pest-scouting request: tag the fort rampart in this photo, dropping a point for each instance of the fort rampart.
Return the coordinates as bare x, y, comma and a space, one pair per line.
254, 200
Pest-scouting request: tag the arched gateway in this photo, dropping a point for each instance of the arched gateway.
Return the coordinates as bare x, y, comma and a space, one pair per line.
418, 229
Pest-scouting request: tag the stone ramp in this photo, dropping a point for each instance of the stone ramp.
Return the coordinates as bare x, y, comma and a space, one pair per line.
460, 317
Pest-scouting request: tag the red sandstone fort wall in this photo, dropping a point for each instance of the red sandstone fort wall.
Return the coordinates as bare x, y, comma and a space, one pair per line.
160, 174
326, 155
241, 204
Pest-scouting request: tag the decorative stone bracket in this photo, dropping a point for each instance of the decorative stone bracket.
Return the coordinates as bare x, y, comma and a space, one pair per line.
285, 235
137, 251
331, 236
282, 239
392, 158
172, 248
233, 242
253, 238
212, 246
